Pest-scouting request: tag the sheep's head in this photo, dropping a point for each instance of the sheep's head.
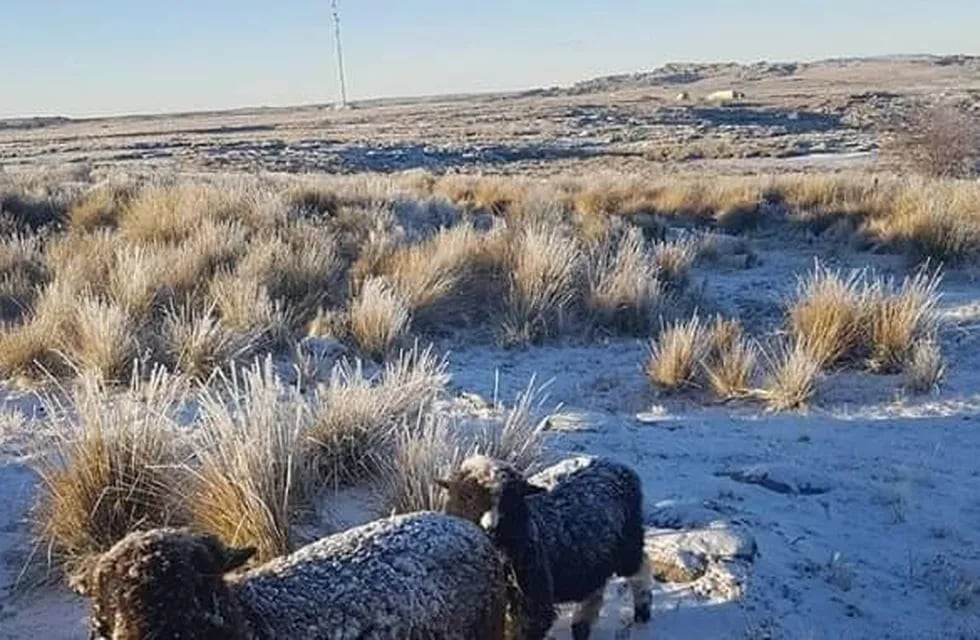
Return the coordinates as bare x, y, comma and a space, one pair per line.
163, 583
481, 485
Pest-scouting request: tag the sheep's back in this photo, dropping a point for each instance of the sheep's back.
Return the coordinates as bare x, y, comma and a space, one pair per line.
423, 575
585, 522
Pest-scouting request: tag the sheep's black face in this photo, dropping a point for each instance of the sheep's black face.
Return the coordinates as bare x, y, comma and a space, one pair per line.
161, 583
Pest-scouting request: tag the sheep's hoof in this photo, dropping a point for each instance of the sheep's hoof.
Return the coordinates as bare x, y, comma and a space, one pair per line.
641, 613
580, 630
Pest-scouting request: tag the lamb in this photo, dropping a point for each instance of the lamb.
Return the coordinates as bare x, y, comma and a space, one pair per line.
564, 533
419, 576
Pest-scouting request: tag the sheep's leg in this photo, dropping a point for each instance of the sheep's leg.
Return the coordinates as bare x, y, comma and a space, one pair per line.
586, 613
641, 583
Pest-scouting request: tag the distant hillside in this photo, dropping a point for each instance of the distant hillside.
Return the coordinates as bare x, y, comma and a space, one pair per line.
682, 73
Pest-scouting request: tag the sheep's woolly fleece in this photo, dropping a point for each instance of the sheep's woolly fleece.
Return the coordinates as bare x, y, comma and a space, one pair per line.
421, 576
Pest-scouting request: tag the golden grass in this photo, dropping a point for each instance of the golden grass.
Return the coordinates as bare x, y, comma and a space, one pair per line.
440, 276
431, 446
248, 481
676, 354
356, 416
673, 261
730, 363
379, 319
100, 207
791, 379
111, 468
624, 292
827, 316
196, 343
545, 270
898, 317
105, 340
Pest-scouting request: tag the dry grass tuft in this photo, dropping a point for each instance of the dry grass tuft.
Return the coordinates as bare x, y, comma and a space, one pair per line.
104, 341
624, 292
110, 471
432, 446
924, 367
791, 381
898, 318
519, 437
676, 354
379, 319
425, 449
22, 271
731, 361
356, 416
440, 276
546, 267
197, 343
827, 316
100, 207
673, 261
250, 476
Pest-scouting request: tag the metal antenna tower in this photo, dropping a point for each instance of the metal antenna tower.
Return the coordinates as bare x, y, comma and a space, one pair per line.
340, 53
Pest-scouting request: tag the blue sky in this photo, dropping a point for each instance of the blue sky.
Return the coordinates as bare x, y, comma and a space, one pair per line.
124, 56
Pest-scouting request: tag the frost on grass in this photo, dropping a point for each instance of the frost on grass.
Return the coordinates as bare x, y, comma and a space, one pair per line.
545, 267
111, 467
624, 292
356, 415
924, 366
791, 379
379, 318
433, 445
676, 354
249, 477
827, 315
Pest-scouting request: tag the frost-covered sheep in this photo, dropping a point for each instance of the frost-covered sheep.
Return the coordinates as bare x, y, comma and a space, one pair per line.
420, 576
565, 532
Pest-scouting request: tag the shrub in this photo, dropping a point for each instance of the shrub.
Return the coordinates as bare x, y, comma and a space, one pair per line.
731, 361
791, 381
939, 141
110, 470
624, 292
250, 477
676, 354
379, 319
356, 416
545, 267
898, 317
827, 316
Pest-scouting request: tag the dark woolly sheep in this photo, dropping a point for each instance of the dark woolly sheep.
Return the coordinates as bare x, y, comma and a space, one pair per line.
564, 532
424, 576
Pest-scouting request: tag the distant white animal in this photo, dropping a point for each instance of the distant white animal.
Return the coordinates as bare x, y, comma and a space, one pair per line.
682, 96
725, 96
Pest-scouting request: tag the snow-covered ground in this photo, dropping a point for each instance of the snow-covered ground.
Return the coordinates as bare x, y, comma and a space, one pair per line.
857, 519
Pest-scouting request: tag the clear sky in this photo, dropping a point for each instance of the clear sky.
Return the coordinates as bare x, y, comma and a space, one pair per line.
64, 57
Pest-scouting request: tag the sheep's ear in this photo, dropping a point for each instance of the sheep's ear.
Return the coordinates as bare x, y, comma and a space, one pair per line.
235, 557
445, 484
